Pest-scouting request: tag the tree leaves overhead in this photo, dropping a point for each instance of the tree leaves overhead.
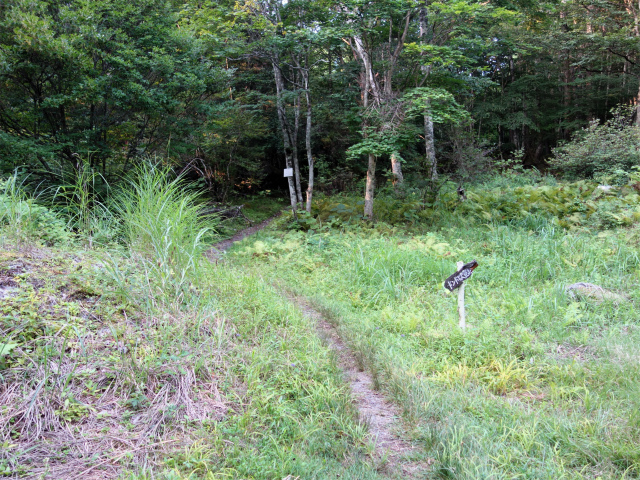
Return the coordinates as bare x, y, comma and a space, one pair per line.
104, 76
191, 80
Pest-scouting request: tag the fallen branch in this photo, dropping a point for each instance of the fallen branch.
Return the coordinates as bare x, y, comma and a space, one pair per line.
226, 212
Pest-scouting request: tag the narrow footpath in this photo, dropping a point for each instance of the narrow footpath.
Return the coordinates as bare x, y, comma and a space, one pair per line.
217, 250
392, 452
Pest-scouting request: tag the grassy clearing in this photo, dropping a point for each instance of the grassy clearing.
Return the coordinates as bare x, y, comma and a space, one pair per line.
144, 361
539, 387
141, 360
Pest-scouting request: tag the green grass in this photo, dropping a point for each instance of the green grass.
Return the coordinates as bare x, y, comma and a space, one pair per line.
150, 359
22, 219
169, 367
539, 387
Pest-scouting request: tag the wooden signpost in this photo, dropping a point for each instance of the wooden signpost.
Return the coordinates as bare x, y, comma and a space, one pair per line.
465, 270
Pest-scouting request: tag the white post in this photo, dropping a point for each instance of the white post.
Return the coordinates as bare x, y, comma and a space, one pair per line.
462, 323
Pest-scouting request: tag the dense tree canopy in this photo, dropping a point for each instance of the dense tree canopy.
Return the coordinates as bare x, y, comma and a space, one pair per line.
232, 92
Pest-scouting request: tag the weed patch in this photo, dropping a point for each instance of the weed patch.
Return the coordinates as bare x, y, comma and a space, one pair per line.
509, 397
150, 362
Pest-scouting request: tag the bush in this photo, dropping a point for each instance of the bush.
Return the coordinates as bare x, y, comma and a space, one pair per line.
26, 220
600, 149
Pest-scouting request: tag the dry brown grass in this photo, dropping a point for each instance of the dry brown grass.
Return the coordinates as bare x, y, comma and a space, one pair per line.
95, 386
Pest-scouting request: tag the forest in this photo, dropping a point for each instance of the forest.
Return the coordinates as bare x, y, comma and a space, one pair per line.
313, 239
231, 93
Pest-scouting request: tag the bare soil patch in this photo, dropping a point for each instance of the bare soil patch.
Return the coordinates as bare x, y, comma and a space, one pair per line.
579, 353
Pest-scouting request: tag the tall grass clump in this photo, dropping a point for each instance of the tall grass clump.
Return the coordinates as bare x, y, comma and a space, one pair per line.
164, 233
14, 209
79, 199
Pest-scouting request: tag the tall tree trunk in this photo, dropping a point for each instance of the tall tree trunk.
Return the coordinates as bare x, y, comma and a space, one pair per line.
637, 122
429, 139
396, 169
285, 130
636, 21
294, 146
430, 146
371, 168
381, 95
369, 189
305, 76
368, 84
370, 78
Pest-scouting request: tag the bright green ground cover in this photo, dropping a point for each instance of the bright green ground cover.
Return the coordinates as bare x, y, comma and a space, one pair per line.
208, 371
539, 387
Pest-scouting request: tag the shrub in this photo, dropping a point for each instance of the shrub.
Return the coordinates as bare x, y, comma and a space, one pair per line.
28, 221
600, 148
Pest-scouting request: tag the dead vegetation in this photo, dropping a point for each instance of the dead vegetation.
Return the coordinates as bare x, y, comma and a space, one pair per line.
89, 385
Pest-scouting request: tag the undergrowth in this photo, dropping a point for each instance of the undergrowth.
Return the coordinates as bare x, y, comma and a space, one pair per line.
133, 357
143, 360
575, 206
540, 386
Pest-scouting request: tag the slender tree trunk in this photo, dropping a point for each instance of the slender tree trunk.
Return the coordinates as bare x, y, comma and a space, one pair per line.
305, 76
370, 78
381, 95
636, 21
294, 146
429, 139
371, 169
371, 185
285, 130
430, 145
637, 122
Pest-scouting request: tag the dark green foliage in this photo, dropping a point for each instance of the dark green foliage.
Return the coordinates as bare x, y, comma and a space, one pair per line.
114, 81
600, 149
110, 77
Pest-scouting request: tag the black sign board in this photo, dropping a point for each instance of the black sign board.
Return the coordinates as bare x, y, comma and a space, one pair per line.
455, 280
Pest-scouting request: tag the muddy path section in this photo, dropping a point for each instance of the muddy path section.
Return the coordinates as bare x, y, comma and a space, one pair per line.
216, 252
382, 417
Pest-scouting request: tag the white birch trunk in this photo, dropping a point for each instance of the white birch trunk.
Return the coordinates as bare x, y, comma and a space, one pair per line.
429, 139
430, 147
285, 131
638, 109
396, 169
308, 139
294, 147
379, 96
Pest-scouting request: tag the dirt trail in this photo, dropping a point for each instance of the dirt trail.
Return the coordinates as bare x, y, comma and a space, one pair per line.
381, 416
215, 252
